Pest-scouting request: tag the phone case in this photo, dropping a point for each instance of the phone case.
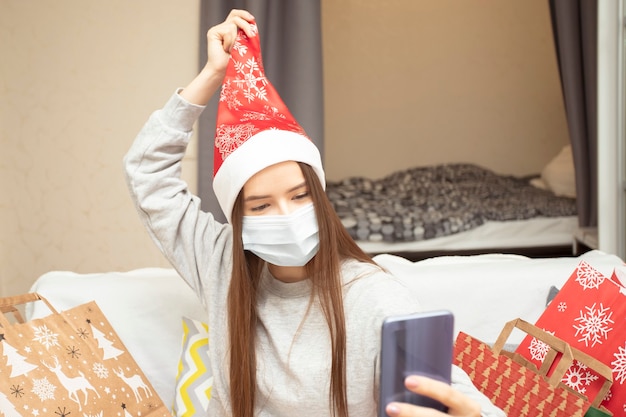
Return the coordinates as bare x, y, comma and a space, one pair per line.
415, 344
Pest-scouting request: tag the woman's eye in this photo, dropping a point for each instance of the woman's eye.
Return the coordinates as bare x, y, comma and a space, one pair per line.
301, 196
259, 208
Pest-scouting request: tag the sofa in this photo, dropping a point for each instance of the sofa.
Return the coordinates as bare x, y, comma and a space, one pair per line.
146, 306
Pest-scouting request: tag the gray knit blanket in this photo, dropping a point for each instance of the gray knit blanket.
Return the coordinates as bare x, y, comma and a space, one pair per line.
428, 202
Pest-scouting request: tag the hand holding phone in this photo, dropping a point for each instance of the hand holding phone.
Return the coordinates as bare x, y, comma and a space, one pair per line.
415, 344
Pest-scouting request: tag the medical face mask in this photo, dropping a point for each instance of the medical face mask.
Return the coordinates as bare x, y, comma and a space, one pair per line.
284, 240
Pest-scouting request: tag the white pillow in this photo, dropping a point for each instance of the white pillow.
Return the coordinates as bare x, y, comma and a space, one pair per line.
486, 291
144, 306
559, 175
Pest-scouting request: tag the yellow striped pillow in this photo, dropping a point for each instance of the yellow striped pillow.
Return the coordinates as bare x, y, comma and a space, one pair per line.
194, 379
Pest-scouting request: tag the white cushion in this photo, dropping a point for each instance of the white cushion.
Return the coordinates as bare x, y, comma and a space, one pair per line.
559, 176
144, 306
486, 291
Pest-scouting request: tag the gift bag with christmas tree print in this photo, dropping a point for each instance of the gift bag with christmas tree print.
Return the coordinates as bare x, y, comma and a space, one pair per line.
589, 313
69, 364
520, 388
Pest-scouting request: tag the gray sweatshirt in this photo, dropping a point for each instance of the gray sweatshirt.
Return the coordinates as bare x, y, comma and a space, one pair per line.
293, 346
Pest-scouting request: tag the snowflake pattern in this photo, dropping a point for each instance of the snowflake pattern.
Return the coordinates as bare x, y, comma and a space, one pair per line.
588, 277
539, 349
240, 48
45, 336
578, 377
43, 389
62, 413
619, 364
230, 137
100, 370
562, 306
594, 325
269, 113
17, 391
229, 96
82, 333
251, 80
73, 351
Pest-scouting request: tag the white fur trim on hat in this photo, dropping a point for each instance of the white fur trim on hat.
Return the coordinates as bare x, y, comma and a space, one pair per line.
260, 151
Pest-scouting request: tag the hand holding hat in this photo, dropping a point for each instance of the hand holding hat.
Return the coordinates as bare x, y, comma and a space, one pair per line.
254, 128
220, 40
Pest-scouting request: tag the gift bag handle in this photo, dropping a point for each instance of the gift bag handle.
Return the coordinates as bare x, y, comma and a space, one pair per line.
16, 313
554, 342
558, 345
7, 305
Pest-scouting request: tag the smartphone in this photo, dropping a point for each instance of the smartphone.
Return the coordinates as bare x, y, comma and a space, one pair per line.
415, 344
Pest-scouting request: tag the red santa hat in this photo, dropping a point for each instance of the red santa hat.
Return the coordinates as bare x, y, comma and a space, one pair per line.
254, 127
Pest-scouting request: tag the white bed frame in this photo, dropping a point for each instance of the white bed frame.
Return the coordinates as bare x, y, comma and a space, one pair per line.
536, 238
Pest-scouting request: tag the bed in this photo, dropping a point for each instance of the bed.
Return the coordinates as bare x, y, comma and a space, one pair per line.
460, 209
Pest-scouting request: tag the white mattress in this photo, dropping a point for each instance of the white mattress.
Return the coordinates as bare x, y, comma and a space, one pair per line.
537, 232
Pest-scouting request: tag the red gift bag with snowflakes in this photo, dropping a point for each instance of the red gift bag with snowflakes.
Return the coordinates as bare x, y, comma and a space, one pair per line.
589, 313
69, 364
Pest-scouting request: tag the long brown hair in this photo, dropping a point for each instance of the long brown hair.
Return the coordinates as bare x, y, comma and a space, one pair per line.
324, 271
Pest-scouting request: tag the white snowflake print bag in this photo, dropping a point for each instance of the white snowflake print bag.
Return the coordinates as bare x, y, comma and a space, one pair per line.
69, 364
589, 313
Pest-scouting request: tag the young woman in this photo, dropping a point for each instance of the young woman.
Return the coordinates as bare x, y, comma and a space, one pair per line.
294, 306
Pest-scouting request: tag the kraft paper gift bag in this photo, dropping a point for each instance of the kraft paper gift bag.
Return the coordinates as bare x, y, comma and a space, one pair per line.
69, 364
589, 313
518, 387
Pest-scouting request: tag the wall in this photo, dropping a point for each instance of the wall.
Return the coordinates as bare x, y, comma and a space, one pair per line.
611, 231
467, 81
416, 82
79, 78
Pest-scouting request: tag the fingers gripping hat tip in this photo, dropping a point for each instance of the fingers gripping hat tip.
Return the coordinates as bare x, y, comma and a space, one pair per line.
254, 127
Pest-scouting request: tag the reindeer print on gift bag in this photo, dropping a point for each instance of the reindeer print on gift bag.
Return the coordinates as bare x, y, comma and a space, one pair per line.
71, 364
135, 383
73, 385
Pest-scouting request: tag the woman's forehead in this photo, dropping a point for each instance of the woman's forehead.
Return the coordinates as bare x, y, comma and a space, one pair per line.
280, 177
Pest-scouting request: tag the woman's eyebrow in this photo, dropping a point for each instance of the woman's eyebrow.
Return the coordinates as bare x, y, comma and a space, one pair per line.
303, 184
256, 197
260, 197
